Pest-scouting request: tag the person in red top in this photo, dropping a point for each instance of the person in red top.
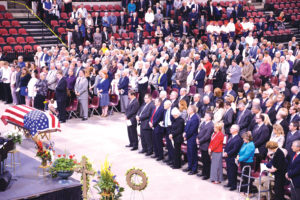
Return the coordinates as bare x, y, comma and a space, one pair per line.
238, 28
215, 149
207, 65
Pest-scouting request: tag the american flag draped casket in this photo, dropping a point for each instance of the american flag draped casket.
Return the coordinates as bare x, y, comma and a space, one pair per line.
33, 120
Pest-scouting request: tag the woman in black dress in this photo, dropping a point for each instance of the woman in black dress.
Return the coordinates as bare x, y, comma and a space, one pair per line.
176, 137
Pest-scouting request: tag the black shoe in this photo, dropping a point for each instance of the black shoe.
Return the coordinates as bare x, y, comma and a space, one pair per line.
232, 189
62, 121
205, 178
186, 169
142, 151
149, 154
227, 186
154, 156
173, 167
199, 175
134, 149
84, 119
128, 145
159, 159
170, 163
166, 161
192, 173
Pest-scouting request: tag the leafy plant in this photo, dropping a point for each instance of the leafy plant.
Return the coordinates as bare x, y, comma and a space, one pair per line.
89, 167
16, 136
107, 184
63, 164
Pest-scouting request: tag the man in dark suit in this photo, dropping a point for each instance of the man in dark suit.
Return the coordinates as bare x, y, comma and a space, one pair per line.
294, 116
190, 134
138, 37
229, 90
243, 118
167, 128
141, 7
143, 116
61, 96
293, 172
228, 118
231, 151
130, 113
261, 135
184, 96
97, 20
292, 136
105, 36
157, 117
232, 44
199, 78
204, 107
255, 110
260, 28
211, 11
134, 22
270, 110
281, 119
184, 29
279, 102
122, 21
203, 138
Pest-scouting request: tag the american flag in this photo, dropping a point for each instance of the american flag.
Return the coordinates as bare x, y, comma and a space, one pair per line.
32, 119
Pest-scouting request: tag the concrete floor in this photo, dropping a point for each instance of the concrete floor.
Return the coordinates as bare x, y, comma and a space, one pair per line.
100, 137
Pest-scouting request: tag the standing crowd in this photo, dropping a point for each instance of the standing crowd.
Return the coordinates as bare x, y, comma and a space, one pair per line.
222, 92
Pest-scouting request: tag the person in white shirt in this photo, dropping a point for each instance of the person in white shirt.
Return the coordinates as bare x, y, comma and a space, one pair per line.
83, 11
249, 39
31, 88
89, 23
231, 28
6, 75
250, 25
149, 18
210, 28
13, 84
283, 67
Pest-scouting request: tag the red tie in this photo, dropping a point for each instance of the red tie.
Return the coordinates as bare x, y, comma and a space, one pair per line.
294, 157
153, 115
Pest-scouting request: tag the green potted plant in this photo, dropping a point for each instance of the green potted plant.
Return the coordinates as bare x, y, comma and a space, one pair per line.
107, 185
15, 136
63, 166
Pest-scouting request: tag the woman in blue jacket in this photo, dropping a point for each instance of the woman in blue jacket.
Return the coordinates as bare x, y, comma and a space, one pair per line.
102, 90
162, 80
131, 7
245, 158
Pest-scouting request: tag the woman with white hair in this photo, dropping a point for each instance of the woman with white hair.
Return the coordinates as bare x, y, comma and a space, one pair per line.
41, 88
176, 136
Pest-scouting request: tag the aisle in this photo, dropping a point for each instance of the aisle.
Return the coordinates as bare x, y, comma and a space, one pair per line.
101, 137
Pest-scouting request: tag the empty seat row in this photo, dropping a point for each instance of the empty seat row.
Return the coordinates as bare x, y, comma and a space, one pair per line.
8, 24
6, 16
13, 31
18, 40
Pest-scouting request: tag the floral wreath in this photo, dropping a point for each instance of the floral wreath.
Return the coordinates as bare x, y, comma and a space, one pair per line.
139, 173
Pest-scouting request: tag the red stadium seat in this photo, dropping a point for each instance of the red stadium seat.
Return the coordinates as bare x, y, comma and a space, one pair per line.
96, 8
27, 48
2, 8
54, 23
22, 31
61, 30
8, 16
131, 35
103, 8
15, 23
6, 23
7, 49
117, 7
1, 16
20, 40
11, 40
94, 105
64, 15
30, 40
62, 23
4, 32
125, 36
13, 31
88, 8
110, 8
2, 41
18, 48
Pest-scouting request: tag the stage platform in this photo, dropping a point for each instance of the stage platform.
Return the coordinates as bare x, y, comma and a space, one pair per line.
26, 184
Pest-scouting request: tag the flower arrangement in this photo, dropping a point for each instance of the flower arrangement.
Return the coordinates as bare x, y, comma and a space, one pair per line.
45, 154
15, 135
106, 185
63, 163
136, 179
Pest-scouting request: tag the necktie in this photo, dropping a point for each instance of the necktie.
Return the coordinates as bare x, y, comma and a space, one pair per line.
240, 117
294, 156
153, 115
159, 79
143, 110
167, 119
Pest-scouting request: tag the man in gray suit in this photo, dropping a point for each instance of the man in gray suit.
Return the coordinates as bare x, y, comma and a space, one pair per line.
81, 91
204, 136
51, 78
234, 75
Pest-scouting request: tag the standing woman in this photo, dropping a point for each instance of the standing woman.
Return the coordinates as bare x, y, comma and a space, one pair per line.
219, 111
102, 90
41, 88
245, 158
162, 80
215, 150
24, 80
31, 90
277, 166
176, 134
